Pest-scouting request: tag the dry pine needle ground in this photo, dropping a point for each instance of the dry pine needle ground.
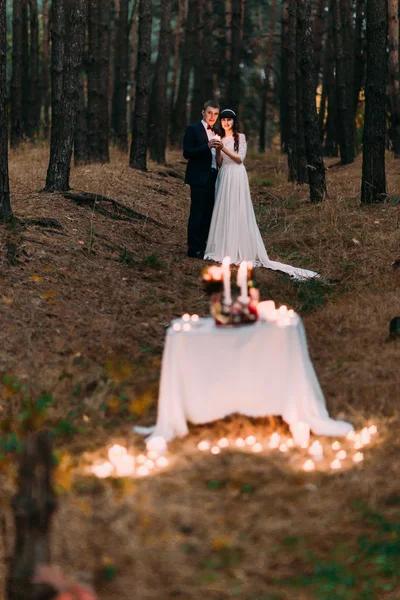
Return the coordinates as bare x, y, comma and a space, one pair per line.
83, 312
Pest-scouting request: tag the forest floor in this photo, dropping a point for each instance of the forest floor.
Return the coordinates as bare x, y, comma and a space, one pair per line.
83, 313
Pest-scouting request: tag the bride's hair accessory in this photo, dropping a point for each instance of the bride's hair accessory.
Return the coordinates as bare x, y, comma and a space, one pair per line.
227, 113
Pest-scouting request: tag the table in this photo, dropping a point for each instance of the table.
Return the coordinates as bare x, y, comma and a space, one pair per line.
257, 370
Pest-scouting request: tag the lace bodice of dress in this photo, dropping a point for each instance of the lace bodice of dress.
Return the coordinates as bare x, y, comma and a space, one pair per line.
229, 142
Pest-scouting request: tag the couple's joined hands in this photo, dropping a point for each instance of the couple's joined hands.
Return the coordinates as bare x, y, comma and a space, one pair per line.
215, 143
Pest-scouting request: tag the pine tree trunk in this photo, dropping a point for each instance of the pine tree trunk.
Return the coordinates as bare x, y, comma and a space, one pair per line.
179, 115
394, 75
301, 158
121, 78
207, 86
197, 99
373, 183
33, 98
315, 161
98, 74
268, 68
228, 45
235, 87
159, 117
68, 37
318, 35
133, 43
25, 60
359, 52
344, 104
138, 151
283, 92
178, 37
331, 141
292, 92
44, 97
17, 91
81, 144
5, 205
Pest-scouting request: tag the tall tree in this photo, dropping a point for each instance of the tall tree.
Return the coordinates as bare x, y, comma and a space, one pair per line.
159, 117
81, 141
344, 97
301, 158
44, 96
291, 91
315, 161
178, 45
268, 68
283, 90
17, 95
331, 141
394, 74
318, 36
5, 205
235, 84
68, 36
359, 51
98, 78
138, 151
121, 78
373, 183
198, 63
179, 114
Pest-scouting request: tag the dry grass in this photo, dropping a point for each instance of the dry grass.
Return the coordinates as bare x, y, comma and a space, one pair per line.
85, 319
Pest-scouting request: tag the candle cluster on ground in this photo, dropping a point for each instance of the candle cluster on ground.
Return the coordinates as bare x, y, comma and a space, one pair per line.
186, 322
121, 463
282, 316
331, 455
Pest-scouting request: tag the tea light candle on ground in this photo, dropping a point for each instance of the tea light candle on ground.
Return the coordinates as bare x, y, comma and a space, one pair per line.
351, 435
373, 429
290, 443
309, 465
257, 447
125, 466
336, 446
250, 440
223, 443
162, 462
215, 449
275, 440
142, 471
240, 443
341, 455
203, 445
316, 450
102, 470
141, 459
149, 464
283, 448
157, 444
336, 464
358, 457
115, 453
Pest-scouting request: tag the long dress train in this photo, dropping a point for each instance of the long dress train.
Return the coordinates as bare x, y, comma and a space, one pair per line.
234, 231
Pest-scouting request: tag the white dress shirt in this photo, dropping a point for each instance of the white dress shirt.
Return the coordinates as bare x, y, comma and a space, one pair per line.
210, 135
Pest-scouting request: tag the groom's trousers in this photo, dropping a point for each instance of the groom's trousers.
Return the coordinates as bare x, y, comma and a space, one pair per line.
201, 209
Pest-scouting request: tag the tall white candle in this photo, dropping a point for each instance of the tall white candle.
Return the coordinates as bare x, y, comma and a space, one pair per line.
226, 274
242, 281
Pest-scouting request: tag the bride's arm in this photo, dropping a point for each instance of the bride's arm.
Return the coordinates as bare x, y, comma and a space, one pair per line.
219, 157
238, 158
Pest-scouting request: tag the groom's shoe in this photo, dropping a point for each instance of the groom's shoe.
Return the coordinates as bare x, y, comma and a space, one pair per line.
195, 254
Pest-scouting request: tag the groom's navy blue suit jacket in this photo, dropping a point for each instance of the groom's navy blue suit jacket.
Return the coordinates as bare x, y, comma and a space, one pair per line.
196, 150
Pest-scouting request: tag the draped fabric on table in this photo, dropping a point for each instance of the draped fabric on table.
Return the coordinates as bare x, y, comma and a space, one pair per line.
256, 370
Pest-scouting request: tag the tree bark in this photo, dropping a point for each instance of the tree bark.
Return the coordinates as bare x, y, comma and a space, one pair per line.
344, 104
133, 42
359, 52
235, 86
121, 78
291, 91
159, 117
138, 151
318, 36
17, 111
5, 205
98, 74
301, 158
25, 62
315, 161
33, 100
179, 36
373, 183
268, 67
68, 19
44, 97
394, 75
34, 505
81, 142
283, 92
179, 114
197, 99
331, 141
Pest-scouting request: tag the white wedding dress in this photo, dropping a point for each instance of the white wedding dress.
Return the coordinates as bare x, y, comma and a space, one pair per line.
234, 231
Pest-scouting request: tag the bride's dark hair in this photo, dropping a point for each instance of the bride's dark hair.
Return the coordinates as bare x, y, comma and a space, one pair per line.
227, 113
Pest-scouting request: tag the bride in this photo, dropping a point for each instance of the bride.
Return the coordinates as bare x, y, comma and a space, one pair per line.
234, 231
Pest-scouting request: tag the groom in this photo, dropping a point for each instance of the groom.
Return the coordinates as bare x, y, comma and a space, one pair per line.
199, 149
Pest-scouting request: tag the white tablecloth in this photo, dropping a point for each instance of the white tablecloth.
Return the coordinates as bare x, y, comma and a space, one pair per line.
256, 370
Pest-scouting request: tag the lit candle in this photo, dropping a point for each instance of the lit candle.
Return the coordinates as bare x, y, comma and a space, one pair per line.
265, 308
309, 465
142, 471
373, 429
365, 436
336, 446
103, 470
282, 310
223, 443
242, 281
341, 455
203, 445
257, 447
195, 318
115, 453
162, 462
226, 275
215, 449
176, 326
283, 448
316, 450
185, 317
125, 466
274, 440
152, 455
149, 464
141, 459
358, 457
290, 443
301, 434
351, 435
358, 444
250, 440
336, 464
157, 444
240, 443
186, 327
